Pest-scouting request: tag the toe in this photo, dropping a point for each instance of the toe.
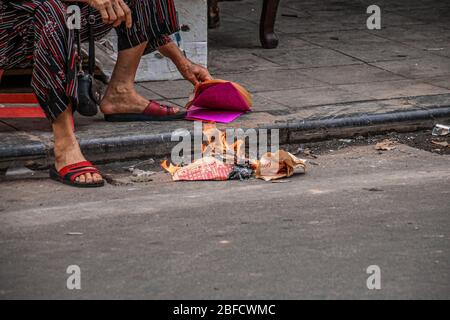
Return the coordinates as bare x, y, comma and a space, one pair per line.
88, 178
82, 179
97, 177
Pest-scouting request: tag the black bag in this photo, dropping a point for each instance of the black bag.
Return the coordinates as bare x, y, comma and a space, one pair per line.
87, 103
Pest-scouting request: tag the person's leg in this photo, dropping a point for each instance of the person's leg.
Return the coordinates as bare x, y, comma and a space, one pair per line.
148, 32
121, 96
66, 148
53, 81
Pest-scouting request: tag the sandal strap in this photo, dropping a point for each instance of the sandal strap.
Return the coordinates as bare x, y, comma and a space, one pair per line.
72, 166
72, 171
73, 175
156, 109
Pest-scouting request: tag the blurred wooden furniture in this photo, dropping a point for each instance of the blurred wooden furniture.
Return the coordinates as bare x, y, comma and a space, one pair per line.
267, 36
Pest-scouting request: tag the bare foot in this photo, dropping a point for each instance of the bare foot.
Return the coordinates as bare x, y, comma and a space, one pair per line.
122, 99
68, 152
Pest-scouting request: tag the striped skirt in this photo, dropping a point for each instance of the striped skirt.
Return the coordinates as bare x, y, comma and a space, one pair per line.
34, 32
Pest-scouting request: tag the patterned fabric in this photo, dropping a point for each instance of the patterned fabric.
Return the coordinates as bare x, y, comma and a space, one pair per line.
34, 32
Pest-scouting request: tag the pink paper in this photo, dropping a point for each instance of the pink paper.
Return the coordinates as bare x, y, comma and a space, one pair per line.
219, 103
214, 115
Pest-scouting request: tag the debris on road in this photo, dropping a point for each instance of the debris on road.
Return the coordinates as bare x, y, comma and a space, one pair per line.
306, 152
227, 161
207, 168
118, 181
140, 165
278, 165
139, 175
18, 170
281, 181
385, 145
440, 143
241, 172
440, 130
373, 189
74, 233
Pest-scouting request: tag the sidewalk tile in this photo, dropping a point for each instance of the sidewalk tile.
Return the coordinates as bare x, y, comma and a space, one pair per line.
261, 103
266, 80
352, 108
229, 61
418, 68
350, 74
393, 89
411, 33
349, 37
307, 58
251, 11
441, 81
299, 98
389, 51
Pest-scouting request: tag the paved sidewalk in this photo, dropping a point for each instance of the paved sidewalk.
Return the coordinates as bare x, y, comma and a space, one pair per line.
328, 65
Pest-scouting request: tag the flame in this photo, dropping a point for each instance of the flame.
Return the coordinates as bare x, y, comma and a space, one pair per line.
270, 166
169, 167
216, 146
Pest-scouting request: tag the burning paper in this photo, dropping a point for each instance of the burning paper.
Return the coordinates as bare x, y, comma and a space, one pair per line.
207, 168
278, 165
221, 161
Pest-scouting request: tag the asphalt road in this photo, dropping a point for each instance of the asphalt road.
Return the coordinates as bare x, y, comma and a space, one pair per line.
312, 237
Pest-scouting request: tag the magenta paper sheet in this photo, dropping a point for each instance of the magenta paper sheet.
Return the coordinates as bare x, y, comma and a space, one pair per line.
219, 103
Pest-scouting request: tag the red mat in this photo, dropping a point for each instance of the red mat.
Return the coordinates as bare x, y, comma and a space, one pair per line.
19, 105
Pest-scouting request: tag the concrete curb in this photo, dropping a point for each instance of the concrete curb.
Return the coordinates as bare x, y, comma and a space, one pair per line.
135, 146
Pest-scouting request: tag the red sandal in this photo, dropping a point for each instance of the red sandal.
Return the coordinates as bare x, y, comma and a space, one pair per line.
68, 174
154, 112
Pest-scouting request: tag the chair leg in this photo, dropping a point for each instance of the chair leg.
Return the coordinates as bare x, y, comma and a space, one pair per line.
213, 14
267, 36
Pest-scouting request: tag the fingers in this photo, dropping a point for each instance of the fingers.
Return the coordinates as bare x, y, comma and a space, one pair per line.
193, 79
119, 13
113, 11
112, 17
104, 14
205, 75
128, 18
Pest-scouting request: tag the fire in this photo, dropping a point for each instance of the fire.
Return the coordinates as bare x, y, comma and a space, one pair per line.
216, 146
221, 157
169, 167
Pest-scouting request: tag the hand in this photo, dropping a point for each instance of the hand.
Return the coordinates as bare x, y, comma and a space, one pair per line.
113, 11
194, 72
